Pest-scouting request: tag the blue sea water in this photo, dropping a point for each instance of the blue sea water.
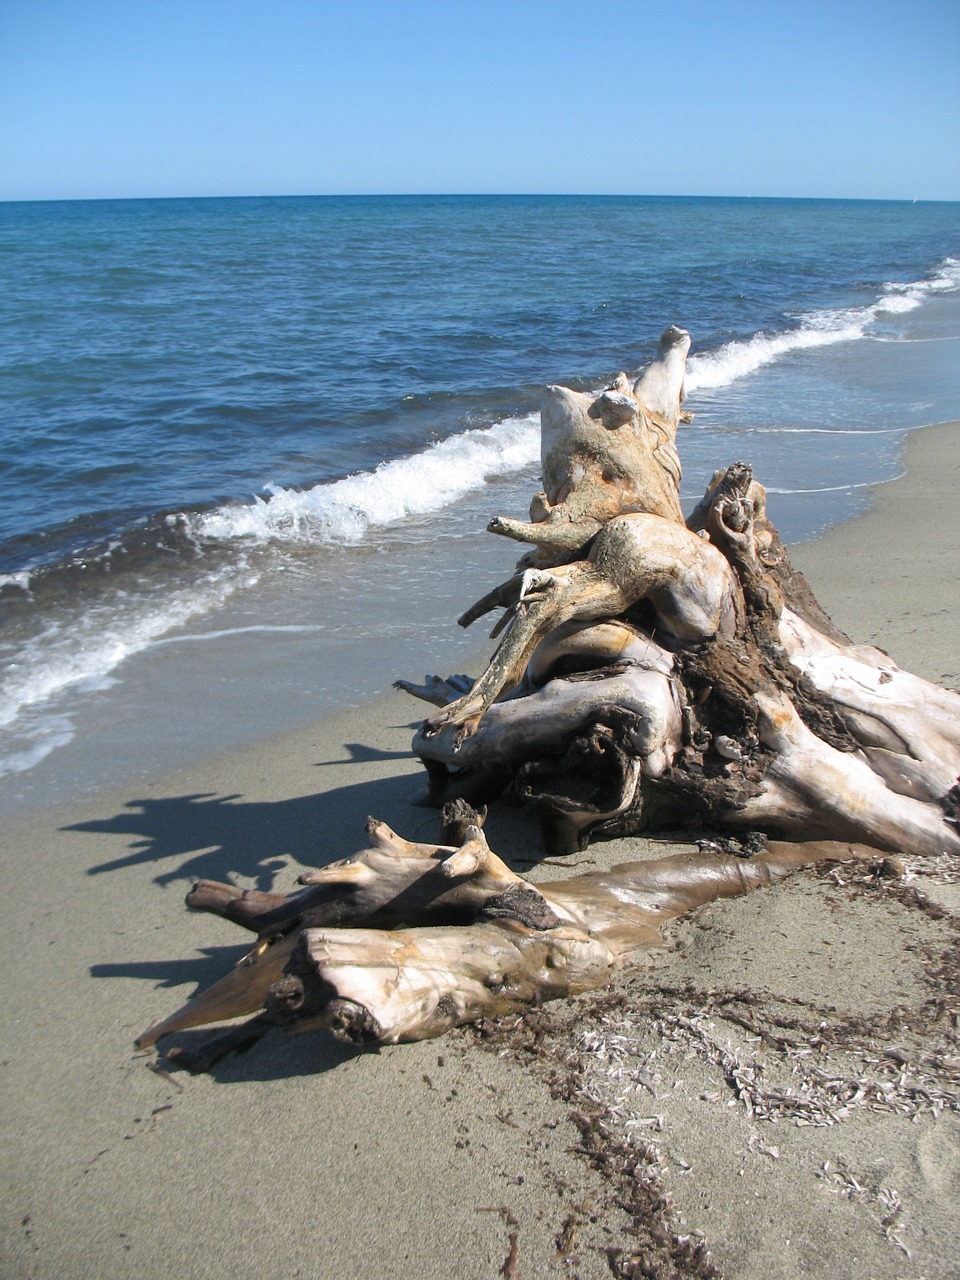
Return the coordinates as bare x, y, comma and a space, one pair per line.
249, 446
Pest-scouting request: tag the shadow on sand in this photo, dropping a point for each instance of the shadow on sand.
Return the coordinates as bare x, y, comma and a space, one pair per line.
205, 836
223, 837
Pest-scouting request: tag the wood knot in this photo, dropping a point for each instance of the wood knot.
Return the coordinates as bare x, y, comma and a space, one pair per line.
285, 999
349, 1021
524, 903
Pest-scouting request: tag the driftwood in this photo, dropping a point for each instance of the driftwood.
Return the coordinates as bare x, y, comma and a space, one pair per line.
653, 673
404, 941
714, 690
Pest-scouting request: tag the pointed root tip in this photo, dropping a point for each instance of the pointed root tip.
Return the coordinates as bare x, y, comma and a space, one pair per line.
386, 841
149, 1037
384, 837
211, 894
471, 857
465, 862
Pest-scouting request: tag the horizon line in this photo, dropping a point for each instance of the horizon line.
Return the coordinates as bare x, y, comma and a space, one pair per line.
470, 195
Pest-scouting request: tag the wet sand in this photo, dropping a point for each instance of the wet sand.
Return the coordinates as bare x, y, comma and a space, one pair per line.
827, 1009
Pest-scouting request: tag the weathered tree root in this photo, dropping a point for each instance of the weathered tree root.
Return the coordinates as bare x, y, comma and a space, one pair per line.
750, 710
404, 941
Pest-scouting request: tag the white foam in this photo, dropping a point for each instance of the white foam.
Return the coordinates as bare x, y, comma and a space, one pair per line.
294, 628
715, 369
945, 279
34, 742
830, 488
897, 303
898, 298
345, 510
739, 359
820, 431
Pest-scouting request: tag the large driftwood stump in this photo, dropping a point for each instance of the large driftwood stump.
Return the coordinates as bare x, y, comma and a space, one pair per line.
652, 673
677, 673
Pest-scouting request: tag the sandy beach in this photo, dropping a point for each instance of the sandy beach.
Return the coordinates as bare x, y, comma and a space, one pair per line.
774, 1094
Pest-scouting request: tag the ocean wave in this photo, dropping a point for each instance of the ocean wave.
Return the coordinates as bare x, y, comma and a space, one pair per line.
907, 297
343, 511
715, 369
77, 651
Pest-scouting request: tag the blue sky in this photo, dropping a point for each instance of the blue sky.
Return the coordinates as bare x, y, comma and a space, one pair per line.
245, 97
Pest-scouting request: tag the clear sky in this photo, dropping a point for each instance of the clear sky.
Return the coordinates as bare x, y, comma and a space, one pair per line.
849, 98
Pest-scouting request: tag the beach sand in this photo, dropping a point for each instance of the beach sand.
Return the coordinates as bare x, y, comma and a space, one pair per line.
572, 1139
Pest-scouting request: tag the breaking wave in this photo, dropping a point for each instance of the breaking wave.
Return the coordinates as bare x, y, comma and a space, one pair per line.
715, 369
345, 510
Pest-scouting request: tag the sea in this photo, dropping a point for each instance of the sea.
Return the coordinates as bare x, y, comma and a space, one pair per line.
249, 446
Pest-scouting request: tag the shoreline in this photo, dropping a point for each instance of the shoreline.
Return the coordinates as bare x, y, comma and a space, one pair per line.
301, 1155
174, 698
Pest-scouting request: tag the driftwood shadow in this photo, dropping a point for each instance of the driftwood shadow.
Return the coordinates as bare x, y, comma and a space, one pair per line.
266, 1055
200, 969
202, 835
273, 1055
205, 835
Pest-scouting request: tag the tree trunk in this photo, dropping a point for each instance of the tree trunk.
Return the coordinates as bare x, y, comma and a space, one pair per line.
451, 934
